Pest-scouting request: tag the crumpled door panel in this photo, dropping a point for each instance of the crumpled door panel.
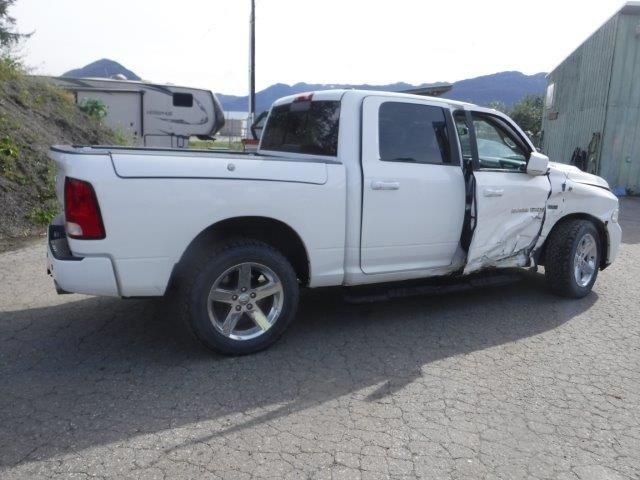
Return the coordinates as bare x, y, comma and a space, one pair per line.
510, 209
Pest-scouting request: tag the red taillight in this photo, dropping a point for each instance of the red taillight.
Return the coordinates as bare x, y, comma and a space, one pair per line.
81, 210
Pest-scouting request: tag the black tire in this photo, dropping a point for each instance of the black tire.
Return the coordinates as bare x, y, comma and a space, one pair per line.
560, 258
198, 283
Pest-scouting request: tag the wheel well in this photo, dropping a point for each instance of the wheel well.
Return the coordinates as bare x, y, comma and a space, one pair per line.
600, 227
268, 230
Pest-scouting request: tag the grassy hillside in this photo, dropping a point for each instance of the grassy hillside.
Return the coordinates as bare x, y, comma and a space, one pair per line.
33, 116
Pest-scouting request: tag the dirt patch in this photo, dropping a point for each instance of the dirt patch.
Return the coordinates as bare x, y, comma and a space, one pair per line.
10, 244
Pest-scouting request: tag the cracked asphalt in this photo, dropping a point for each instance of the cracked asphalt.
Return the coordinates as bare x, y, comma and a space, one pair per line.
507, 382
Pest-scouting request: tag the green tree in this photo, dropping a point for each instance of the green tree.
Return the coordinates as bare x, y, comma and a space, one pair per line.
498, 105
9, 37
527, 113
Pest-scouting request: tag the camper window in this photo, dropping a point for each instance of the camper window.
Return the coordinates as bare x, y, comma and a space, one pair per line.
182, 100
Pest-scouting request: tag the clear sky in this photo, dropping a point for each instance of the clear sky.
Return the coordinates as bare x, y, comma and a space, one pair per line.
204, 43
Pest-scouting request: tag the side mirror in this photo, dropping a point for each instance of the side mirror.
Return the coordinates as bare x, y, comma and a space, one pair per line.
538, 164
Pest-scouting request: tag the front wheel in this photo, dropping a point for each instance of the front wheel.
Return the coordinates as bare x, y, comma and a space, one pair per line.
242, 298
572, 258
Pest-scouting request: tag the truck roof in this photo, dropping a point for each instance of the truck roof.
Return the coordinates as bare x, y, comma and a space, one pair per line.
338, 94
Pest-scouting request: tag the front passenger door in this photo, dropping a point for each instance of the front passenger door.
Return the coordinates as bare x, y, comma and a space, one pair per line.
509, 203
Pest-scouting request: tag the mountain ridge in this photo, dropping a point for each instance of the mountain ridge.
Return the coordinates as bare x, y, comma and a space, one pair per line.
103, 68
508, 87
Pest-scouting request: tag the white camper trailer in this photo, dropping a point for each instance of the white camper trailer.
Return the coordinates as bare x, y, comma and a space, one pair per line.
153, 115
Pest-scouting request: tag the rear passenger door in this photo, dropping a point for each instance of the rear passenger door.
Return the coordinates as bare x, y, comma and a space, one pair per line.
413, 187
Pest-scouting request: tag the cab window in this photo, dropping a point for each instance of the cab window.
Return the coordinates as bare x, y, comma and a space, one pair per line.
498, 148
309, 127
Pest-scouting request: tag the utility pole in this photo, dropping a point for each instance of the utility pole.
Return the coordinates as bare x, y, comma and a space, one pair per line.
252, 65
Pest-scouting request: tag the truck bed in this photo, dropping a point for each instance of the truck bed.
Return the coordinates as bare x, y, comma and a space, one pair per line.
155, 202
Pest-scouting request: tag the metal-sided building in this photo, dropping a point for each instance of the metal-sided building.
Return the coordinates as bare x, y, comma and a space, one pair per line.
592, 103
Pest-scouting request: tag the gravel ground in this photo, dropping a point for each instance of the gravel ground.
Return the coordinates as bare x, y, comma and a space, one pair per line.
506, 382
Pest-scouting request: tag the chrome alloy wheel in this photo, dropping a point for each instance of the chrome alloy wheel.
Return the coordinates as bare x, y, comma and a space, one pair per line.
245, 301
586, 260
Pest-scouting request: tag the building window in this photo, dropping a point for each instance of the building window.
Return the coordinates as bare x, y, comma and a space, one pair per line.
182, 100
550, 96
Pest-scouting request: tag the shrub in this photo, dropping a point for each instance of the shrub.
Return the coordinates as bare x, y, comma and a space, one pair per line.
10, 68
94, 108
42, 216
8, 148
9, 160
123, 137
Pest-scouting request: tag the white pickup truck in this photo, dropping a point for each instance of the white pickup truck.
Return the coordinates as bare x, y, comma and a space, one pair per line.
347, 188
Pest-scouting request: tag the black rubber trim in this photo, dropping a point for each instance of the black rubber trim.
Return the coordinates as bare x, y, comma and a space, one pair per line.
58, 244
472, 140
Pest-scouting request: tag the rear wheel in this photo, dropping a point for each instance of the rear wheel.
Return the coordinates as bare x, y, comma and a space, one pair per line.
572, 258
242, 298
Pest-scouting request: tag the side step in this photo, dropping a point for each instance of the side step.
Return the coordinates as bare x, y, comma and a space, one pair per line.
430, 287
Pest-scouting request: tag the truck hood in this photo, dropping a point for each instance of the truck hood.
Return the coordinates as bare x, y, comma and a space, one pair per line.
574, 174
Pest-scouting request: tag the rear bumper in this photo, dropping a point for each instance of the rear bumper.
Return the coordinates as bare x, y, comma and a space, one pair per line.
88, 275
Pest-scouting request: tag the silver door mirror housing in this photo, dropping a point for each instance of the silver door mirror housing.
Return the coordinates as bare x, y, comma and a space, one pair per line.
538, 164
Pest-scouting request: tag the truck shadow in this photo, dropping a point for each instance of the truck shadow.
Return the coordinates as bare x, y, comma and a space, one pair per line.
97, 370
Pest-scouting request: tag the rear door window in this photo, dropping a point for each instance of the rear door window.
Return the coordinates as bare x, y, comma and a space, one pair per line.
412, 132
309, 127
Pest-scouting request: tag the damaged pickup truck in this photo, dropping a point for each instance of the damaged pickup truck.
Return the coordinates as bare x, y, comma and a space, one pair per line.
347, 188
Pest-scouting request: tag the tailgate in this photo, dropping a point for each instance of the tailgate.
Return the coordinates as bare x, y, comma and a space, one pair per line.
83, 163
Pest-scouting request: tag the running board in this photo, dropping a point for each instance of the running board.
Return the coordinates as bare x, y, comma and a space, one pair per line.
430, 287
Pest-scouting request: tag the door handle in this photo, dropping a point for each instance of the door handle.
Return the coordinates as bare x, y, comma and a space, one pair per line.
493, 192
379, 185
